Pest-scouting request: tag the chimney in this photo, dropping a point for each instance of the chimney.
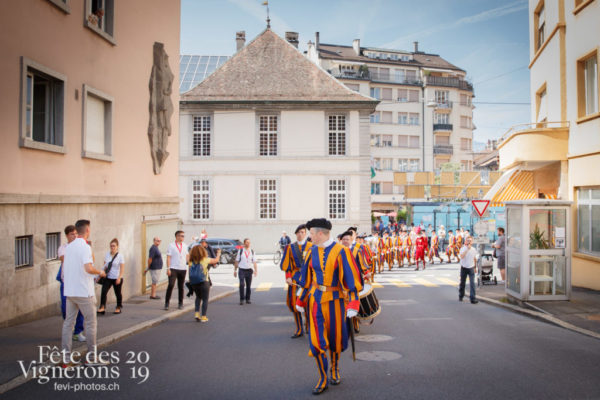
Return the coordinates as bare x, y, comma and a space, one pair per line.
317, 41
240, 40
416, 47
356, 46
292, 38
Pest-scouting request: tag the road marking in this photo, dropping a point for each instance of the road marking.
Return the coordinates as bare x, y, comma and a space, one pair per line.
373, 338
448, 281
399, 283
425, 282
277, 319
378, 355
264, 287
377, 285
429, 319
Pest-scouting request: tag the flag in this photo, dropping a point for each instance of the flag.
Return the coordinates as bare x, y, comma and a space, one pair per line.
372, 172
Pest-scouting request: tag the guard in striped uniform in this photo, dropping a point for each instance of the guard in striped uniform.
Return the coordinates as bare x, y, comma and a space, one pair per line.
452, 249
328, 276
434, 248
381, 253
389, 255
291, 263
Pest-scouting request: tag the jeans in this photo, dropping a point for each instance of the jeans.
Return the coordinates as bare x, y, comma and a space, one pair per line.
106, 287
63, 307
245, 276
202, 290
87, 306
179, 276
463, 279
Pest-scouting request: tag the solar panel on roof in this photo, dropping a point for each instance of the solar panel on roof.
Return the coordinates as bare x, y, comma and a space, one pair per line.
194, 69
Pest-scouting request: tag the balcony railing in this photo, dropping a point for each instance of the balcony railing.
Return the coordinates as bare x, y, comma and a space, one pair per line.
449, 82
442, 127
446, 105
557, 125
376, 77
443, 149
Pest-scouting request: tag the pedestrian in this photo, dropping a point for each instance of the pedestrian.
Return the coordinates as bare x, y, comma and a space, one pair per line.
114, 265
246, 262
155, 264
468, 260
200, 263
210, 252
328, 279
79, 275
284, 240
500, 250
203, 234
71, 234
177, 261
420, 248
195, 242
442, 237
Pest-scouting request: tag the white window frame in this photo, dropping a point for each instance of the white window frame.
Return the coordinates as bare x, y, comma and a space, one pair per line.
335, 194
268, 191
23, 251
414, 119
63, 5
337, 135
268, 132
104, 31
108, 141
29, 68
589, 202
205, 188
202, 134
375, 187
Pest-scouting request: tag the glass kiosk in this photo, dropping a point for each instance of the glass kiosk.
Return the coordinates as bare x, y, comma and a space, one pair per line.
538, 249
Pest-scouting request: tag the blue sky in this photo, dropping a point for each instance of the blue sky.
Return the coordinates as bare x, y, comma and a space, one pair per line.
487, 38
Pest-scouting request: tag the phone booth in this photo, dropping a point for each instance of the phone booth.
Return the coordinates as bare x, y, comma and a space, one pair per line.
538, 249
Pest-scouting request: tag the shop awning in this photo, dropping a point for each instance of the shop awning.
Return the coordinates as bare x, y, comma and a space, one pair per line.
514, 184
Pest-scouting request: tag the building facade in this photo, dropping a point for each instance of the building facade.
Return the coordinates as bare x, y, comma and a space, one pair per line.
75, 125
423, 120
559, 149
270, 140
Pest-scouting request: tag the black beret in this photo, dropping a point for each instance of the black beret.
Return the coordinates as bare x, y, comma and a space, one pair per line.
347, 233
319, 223
302, 226
353, 228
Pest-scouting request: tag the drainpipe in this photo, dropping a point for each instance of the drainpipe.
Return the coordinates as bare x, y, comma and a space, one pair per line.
423, 127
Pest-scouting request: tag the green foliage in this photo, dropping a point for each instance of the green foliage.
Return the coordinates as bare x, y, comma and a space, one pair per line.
401, 215
536, 239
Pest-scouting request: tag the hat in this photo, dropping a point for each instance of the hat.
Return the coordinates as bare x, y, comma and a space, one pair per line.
353, 228
318, 223
300, 227
347, 233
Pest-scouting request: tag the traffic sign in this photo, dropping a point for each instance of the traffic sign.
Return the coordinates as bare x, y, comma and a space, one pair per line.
481, 228
480, 206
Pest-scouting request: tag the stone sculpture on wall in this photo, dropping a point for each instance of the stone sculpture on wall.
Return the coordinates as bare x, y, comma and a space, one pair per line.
161, 107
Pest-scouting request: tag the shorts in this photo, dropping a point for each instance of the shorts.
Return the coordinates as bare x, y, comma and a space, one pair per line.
155, 275
501, 262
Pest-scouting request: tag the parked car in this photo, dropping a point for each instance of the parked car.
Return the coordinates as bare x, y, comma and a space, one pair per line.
229, 248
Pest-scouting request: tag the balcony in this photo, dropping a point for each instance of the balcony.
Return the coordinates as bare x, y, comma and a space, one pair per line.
376, 77
443, 149
442, 127
448, 82
533, 143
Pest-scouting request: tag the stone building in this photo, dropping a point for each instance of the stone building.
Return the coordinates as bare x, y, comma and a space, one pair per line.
75, 79
270, 140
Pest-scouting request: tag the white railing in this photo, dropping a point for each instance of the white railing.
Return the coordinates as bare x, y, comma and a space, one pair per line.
533, 126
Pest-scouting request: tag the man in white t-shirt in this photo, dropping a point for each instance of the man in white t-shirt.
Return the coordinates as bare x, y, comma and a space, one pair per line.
468, 260
245, 260
177, 265
79, 274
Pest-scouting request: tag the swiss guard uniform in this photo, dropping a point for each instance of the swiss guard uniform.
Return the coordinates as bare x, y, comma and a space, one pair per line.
291, 264
381, 253
452, 249
434, 248
389, 255
328, 275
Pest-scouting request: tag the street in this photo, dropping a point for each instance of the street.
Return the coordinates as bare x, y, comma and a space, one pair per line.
424, 345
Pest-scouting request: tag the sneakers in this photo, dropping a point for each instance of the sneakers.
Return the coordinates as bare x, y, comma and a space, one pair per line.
79, 337
474, 301
197, 316
166, 307
180, 307
204, 318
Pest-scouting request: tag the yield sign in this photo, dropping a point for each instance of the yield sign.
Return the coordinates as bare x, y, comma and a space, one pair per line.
480, 206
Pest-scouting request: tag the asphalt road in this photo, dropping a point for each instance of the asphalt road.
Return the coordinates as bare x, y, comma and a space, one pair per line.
424, 345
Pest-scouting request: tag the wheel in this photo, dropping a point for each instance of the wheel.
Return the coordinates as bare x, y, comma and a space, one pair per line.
277, 257
224, 259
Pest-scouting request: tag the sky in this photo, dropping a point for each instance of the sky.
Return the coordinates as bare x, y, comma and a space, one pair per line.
487, 38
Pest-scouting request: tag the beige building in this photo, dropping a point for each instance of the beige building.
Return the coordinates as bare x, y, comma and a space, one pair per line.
424, 118
75, 120
269, 141
557, 154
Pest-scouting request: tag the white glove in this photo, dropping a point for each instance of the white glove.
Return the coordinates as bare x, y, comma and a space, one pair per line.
351, 313
299, 308
299, 292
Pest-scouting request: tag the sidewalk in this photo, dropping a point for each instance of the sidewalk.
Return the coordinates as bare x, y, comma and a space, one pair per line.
21, 342
582, 311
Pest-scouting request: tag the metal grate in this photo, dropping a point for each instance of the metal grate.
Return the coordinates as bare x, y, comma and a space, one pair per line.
23, 251
52, 245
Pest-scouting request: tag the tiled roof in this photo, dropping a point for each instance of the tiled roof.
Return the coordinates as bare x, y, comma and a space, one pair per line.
337, 52
271, 69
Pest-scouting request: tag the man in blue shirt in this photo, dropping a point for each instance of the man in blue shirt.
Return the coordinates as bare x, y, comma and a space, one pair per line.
155, 264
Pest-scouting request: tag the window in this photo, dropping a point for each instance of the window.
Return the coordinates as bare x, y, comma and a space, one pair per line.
386, 94
386, 117
413, 164
465, 100
375, 117
442, 97
267, 135
376, 140
99, 17
375, 188
539, 19
62, 4
403, 118
267, 199
465, 165
413, 96
411, 76
23, 251
337, 135
442, 139
403, 141
377, 163
402, 95
376, 93
386, 164
97, 110
200, 199
587, 84
387, 140
52, 245
588, 220
352, 86
400, 75
465, 122
388, 188
485, 177
541, 104
413, 141
337, 198
402, 164
413, 118
465, 144
42, 107
201, 136
440, 118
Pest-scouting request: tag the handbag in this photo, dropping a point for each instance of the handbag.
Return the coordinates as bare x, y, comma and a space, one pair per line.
494, 253
101, 281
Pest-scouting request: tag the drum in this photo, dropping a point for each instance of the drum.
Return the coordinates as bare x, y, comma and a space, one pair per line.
369, 305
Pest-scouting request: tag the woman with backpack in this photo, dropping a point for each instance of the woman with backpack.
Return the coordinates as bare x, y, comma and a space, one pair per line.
114, 266
200, 279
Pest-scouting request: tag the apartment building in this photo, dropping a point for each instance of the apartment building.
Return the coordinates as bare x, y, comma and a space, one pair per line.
269, 141
75, 124
558, 151
423, 120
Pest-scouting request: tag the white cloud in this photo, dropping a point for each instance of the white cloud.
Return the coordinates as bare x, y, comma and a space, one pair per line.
258, 11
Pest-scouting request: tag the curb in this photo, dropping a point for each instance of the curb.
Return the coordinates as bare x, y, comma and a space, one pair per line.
115, 337
541, 316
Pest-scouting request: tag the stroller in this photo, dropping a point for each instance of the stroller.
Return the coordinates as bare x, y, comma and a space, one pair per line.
485, 268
